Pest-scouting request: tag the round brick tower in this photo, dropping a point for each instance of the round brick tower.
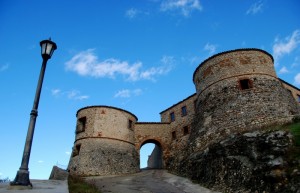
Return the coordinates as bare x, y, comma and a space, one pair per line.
238, 91
104, 142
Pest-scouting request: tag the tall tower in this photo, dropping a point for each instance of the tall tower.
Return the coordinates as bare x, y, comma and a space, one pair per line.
104, 142
238, 91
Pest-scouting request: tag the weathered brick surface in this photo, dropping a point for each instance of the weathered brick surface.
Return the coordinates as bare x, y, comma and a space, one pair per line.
224, 108
107, 144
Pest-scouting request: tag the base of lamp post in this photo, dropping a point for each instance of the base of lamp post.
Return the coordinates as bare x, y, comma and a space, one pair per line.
22, 179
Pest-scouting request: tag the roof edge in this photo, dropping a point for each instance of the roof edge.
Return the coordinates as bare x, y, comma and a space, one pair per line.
178, 103
105, 106
229, 51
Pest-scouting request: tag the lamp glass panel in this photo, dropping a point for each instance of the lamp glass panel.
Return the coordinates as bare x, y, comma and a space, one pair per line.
43, 48
48, 49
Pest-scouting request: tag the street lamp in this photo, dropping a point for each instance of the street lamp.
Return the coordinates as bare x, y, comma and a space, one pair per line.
22, 177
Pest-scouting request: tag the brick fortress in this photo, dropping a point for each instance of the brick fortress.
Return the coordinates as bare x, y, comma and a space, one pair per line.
236, 91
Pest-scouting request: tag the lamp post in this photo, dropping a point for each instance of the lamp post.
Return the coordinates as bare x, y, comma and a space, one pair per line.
22, 177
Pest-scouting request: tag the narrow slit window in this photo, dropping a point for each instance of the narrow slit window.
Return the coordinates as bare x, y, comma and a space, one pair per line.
172, 116
183, 111
185, 130
81, 125
195, 105
173, 135
130, 124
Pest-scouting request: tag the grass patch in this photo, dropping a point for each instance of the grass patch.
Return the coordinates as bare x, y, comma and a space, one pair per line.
78, 185
295, 130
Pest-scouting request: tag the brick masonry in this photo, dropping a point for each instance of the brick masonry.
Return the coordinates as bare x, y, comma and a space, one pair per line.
236, 91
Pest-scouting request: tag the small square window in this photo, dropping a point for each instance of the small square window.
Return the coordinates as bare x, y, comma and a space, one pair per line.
172, 116
186, 130
245, 84
183, 111
173, 135
81, 124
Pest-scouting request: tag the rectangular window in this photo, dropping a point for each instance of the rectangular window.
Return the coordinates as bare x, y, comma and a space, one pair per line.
173, 135
245, 84
81, 124
129, 124
172, 116
298, 96
183, 111
195, 105
186, 130
76, 150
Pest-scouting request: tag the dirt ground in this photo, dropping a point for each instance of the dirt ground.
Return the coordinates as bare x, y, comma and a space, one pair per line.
147, 181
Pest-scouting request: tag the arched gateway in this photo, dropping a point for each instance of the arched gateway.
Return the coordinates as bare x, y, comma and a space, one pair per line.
108, 139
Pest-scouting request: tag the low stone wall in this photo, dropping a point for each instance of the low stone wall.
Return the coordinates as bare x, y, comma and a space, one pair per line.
58, 174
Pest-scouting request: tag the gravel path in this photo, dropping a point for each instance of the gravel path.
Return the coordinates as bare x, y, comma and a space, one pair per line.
147, 181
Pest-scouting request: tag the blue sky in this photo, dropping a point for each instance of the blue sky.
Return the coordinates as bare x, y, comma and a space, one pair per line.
138, 55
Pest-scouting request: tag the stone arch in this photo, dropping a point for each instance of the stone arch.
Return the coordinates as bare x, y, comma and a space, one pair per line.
155, 160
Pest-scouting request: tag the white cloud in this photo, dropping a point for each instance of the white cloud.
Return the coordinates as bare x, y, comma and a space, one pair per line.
167, 63
283, 70
137, 92
286, 46
255, 8
297, 79
55, 92
131, 13
68, 153
126, 93
75, 94
4, 67
86, 63
72, 94
211, 48
123, 94
184, 6
40, 161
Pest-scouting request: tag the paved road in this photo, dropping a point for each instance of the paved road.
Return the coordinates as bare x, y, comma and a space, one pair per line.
147, 181
39, 186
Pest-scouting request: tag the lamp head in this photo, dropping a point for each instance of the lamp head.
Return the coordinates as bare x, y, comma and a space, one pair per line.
48, 48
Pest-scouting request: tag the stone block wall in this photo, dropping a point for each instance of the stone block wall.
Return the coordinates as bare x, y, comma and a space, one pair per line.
155, 159
292, 89
238, 91
104, 142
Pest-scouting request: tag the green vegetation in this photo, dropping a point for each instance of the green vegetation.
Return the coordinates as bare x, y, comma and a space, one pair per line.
295, 130
78, 185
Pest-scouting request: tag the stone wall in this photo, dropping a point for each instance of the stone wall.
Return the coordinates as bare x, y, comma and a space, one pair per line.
104, 142
155, 159
293, 90
238, 91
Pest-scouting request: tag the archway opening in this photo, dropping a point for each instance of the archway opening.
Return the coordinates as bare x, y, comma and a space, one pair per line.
151, 155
